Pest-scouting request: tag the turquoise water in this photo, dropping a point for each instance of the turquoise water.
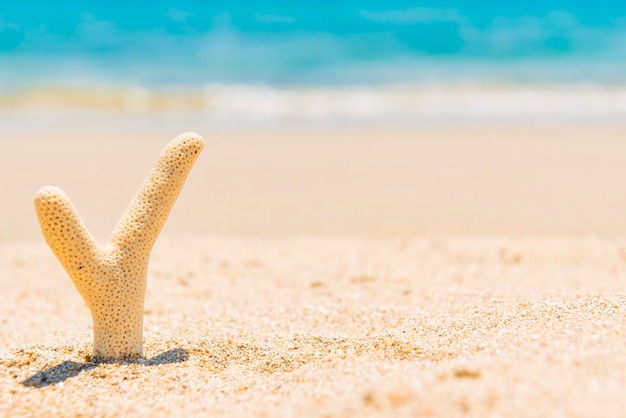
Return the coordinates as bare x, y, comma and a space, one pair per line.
324, 60
323, 43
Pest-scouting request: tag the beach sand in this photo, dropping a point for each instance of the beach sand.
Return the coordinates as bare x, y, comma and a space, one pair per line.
441, 272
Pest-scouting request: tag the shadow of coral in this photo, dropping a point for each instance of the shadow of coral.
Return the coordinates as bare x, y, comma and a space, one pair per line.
69, 369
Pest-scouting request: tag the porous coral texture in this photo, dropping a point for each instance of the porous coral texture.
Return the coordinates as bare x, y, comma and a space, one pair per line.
112, 278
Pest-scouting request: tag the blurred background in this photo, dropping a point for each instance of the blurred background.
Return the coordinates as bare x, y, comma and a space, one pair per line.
422, 117
325, 61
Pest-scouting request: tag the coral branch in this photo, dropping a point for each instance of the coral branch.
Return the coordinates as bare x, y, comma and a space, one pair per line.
112, 279
140, 225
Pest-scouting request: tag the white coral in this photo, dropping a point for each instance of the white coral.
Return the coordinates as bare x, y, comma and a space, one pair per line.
112, 278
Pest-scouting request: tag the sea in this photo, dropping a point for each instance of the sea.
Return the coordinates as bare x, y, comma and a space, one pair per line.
318, 62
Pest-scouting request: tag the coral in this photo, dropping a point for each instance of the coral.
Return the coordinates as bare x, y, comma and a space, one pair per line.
112, 278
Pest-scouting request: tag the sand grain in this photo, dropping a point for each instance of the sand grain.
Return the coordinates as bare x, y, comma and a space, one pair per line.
331, 327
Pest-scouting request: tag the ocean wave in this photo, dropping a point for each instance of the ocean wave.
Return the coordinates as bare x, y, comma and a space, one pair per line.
293, 43
361, 103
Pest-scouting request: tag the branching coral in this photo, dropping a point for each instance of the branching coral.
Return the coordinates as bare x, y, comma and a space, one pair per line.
112, 278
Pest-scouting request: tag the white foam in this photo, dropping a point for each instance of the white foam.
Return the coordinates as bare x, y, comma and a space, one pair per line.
423, 101
262, 105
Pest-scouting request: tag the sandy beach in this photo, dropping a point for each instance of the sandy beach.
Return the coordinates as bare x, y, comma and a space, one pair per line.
463, 271
457, 180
